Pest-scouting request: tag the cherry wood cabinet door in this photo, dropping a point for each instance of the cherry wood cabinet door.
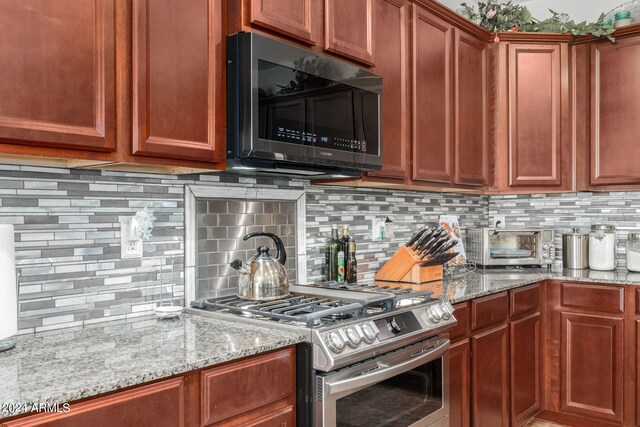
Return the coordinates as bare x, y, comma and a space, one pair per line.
178, 79
471, 145
524, 364
392, 18
535, 128
161, 404
349, 28
57, 84
432, 95
615, 90
459, 383
592, 366
490, 377
291, 18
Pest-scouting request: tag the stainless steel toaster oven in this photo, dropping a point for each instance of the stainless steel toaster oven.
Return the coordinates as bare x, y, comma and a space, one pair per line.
510, 246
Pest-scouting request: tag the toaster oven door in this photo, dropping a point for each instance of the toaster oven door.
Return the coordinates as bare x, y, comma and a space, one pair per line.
513, 247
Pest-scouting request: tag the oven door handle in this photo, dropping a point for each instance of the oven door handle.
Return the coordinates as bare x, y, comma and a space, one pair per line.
387, 371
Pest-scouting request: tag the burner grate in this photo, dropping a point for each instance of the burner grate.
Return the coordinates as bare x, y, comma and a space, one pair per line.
299, 308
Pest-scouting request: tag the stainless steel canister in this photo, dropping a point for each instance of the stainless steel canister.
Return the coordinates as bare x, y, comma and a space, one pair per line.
575, 250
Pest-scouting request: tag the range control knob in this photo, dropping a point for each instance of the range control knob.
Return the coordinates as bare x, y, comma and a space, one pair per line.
545, 246
369, 332
545, 255
447, 310
434, 313
335, 342
354, 336
397, 324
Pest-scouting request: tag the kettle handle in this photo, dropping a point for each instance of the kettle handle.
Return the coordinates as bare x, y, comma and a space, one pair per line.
281, 254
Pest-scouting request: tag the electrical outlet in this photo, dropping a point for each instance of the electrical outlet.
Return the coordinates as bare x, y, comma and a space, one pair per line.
130, 240
498, 221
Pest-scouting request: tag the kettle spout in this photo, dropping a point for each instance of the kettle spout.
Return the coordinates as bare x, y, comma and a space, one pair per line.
240, 266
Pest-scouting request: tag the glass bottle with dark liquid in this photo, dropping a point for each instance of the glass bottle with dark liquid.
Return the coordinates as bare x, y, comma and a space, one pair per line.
332, 247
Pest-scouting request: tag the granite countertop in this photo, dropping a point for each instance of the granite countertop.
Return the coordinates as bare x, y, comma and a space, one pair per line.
71, 364
465, 286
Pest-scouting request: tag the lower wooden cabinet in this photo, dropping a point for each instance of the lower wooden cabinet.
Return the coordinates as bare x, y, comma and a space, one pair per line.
161, 404
489, 377
524, 364
592, 366
459, 383
257, 391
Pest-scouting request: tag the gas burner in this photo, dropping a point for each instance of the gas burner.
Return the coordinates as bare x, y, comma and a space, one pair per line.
297, 309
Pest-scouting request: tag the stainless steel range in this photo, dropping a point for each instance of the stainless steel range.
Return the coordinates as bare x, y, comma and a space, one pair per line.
373, 356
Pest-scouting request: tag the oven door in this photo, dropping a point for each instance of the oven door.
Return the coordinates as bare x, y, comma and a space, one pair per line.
513, 247
407, 387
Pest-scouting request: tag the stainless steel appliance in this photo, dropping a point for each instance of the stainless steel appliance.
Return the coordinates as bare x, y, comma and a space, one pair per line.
371, 353
511, 246
575, 250
263, 277
291, 111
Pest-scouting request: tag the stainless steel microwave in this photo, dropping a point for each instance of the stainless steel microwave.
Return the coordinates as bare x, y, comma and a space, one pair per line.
511, 246
294, 112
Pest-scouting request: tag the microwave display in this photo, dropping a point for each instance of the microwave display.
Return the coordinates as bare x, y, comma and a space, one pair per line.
301, 108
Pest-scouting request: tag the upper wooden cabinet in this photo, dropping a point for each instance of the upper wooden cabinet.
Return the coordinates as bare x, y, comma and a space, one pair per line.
533, 143
349, 28
432, 96
392, 18
471, 146
535, 131
178, 91
291, 18
58, 74
615, 90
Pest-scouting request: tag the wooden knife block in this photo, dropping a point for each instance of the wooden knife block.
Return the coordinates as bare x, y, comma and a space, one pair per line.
404, 266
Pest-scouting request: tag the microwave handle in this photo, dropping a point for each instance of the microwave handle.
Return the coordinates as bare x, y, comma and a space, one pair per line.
387, 371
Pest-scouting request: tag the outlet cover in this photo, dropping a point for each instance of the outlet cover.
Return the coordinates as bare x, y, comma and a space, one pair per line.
499, 221
130, 241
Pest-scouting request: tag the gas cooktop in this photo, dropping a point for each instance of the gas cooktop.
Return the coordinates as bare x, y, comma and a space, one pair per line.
345, 323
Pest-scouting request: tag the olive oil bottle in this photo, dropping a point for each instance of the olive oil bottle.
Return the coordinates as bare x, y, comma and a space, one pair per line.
332, 247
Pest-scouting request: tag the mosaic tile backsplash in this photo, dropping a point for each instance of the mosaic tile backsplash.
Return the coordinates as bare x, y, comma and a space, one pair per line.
68, 235
562, 212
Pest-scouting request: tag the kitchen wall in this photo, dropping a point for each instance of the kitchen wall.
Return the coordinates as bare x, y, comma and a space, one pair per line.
563, 212
68, 235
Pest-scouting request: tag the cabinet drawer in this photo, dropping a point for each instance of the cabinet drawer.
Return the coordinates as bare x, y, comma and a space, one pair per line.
461, 330
524, 300
241, 387
604, 298
488, 311
283, 418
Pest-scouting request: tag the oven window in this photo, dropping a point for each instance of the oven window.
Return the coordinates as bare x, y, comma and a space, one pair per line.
302, 108
507, 245
396, 402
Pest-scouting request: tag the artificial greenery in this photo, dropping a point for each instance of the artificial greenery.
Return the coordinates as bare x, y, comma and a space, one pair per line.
499, 17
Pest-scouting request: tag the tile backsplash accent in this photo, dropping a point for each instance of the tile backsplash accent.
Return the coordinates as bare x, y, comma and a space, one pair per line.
68, 234
221, 225
565, 211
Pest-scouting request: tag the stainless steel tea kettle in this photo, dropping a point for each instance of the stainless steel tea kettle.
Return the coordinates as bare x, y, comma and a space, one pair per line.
263, 277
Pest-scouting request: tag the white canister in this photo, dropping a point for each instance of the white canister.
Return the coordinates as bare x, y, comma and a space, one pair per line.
633, 252
602, 247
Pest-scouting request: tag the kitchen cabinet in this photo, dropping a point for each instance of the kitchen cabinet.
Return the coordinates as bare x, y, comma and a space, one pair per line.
489, 377
525, 369
533, 115
58, 86
432, 97
471, 146
161, 404
255, 391
392, 38
592, 366
178, 90
460, 383
290, 18
349, 28
615, 89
